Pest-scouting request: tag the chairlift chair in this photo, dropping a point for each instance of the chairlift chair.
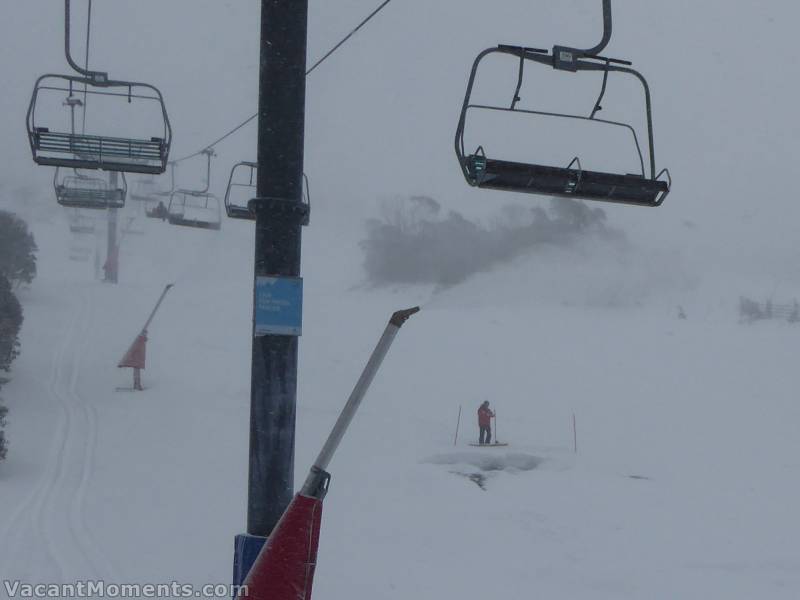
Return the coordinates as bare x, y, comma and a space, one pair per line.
241, 191
61, 145
81, 191
80, 223
191, 208
484, 170
53, 144
196, 208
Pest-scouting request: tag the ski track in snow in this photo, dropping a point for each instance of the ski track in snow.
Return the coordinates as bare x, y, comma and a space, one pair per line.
52, 520
24, 530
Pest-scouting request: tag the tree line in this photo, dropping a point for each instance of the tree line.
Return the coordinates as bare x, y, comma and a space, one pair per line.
17, 267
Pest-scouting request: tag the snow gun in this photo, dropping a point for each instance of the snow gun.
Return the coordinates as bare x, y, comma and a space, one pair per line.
284, 569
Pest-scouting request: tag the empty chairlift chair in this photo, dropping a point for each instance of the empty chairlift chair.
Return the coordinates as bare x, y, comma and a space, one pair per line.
81, 191
130, 130
242, 189
54, 144
483, 169
196, 208
80, 223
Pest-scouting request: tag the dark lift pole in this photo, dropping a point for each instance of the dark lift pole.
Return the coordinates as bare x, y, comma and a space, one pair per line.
112, 251
280, 214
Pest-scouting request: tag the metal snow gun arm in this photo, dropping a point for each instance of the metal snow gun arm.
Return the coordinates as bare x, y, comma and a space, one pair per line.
284, 569
316, 483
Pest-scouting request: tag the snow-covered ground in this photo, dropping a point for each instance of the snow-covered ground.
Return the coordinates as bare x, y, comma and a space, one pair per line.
685, 483
687, 476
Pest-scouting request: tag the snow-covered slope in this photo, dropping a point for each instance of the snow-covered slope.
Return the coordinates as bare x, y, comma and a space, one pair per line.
685, 480
683, 485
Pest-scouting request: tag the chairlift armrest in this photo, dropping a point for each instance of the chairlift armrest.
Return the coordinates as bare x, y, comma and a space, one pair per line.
523, 49
616, 61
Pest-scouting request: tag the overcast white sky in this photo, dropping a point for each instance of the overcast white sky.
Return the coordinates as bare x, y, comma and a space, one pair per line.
382, 112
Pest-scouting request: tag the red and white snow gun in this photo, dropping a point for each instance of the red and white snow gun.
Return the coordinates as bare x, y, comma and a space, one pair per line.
284, 569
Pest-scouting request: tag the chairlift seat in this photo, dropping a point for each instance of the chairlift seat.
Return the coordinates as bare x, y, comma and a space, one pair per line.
184, 221
81, 227
93, 198
82, 151
240, 212
81, 224
565, 182
200, 210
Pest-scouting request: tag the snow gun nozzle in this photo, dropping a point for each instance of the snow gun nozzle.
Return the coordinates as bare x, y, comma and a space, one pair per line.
317, 483
401, 316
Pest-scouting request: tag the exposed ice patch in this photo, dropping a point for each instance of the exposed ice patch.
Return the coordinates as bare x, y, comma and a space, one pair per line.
478, 479
479, 466
511, 462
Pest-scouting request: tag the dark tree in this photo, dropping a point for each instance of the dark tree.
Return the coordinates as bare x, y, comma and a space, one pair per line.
17, 249
3, 441
10, 324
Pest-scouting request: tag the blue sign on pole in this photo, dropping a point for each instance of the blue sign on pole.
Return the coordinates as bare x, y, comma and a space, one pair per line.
279, 306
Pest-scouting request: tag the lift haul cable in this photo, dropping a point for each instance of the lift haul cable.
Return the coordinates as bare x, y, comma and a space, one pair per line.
327, 55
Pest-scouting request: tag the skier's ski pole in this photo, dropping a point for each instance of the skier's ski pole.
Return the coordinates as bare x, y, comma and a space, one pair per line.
496, 441
574, 434
458, 423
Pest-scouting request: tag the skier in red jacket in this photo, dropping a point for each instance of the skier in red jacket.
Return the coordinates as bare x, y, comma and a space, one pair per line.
485, 415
